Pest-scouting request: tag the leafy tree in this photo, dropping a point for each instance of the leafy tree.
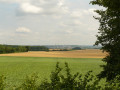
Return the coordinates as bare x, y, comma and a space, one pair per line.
27, 48
109, 36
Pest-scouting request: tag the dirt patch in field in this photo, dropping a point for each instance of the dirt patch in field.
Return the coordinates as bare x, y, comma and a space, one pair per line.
89, 53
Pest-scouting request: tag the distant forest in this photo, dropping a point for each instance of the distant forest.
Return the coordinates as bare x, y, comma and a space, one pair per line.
17, 48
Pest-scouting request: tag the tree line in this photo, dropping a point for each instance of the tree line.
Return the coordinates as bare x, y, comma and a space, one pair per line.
17, 48
38, 48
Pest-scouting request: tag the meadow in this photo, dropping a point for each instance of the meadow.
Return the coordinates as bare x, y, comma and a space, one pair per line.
16, 68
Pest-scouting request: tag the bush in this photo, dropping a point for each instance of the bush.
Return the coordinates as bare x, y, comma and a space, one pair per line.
30, 83
113, 84
69, 81
58, 81
2, 82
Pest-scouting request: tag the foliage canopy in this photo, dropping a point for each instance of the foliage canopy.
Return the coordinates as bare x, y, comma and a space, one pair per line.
109, 36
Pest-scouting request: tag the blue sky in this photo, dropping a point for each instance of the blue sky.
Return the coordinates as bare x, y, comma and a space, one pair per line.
47, 22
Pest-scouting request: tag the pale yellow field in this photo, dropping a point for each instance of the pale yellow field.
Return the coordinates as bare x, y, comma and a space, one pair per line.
89, 53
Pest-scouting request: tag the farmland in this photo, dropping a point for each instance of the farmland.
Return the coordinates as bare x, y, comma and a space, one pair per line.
88, 53
17, 66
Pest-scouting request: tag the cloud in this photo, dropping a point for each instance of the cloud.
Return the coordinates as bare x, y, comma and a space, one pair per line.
71, 23
23, 30
76, 14
79, 17
82, 12
62, 19
29, 8
44, 7
14, 1
70, 31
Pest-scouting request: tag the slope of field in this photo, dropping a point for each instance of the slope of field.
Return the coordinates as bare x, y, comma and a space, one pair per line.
89, 53
16, 68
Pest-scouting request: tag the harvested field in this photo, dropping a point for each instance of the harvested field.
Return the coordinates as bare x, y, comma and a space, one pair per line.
89, 53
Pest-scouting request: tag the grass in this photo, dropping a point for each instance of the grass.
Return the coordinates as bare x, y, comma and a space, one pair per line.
16, 68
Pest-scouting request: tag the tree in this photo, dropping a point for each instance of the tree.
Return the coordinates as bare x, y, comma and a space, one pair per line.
76, 48
109, 36
27, 48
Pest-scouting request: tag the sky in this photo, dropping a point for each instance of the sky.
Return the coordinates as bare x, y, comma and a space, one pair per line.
47, 22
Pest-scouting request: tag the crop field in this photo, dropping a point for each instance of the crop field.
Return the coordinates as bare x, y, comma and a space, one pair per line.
89, 53
16, 68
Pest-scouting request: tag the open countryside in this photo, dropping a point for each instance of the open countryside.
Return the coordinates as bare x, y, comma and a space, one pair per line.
16, 66
60, 45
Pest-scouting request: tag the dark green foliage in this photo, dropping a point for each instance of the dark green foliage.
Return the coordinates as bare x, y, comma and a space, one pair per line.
76, 48
109, 36
12, 49
27, 48
113, 84
38, 48
16, 48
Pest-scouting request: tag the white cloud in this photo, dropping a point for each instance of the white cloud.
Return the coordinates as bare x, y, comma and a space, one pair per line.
23, 30
61, 19
70, 31
82, 12
29, 8
60, 3
14, 1
90, 11
46, 7
71, 23
76, 14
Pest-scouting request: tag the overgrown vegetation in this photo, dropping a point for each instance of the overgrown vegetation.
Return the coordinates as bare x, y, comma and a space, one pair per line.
67, 81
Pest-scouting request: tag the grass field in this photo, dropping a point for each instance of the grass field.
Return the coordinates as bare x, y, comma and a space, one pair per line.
16, 68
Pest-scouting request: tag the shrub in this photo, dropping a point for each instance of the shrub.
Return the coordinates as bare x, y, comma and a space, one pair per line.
2, 82
113, 84
30, 83
69, 81
58, 81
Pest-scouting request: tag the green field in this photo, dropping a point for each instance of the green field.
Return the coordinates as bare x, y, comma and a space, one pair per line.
16, 68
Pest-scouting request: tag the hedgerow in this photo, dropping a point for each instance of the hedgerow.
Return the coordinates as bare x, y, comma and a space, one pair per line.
59, 81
